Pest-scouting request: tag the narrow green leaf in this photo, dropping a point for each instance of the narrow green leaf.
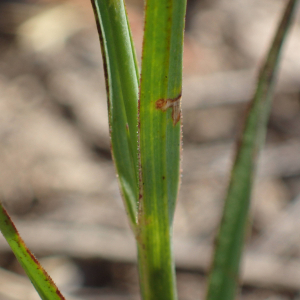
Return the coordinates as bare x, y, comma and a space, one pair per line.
121, 74
38, 276
160, 144
224, 275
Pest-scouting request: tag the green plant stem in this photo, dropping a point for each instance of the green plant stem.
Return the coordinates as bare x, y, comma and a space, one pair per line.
224, 275
156, 265
160, 145
153, 190
121, 76
42, 282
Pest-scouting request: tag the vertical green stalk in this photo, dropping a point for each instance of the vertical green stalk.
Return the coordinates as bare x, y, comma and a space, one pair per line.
121, 75
159, 143
224, 275
150, 183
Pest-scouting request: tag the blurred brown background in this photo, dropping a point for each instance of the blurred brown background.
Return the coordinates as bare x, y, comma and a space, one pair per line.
56, 175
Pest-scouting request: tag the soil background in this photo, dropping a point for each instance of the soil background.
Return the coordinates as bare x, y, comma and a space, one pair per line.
57, 178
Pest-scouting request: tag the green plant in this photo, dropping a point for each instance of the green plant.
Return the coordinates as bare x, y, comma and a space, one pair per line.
145, 128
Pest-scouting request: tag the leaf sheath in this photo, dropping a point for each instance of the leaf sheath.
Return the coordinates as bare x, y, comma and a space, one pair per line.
121, 74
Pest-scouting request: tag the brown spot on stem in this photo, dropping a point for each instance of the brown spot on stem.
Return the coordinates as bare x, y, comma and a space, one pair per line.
59, 294
164, 104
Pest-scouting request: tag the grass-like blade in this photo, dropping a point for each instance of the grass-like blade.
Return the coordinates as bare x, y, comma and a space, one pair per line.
121, 74
159, 144
37, 275
224, 275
